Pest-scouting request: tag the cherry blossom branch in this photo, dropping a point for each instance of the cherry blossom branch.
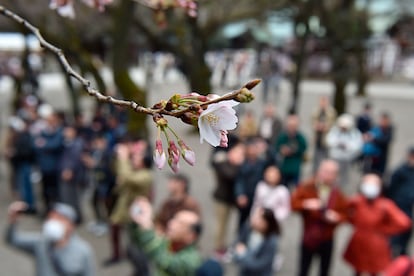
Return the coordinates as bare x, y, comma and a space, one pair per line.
109, 99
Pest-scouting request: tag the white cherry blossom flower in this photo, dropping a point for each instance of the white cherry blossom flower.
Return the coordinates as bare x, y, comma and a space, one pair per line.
215, 119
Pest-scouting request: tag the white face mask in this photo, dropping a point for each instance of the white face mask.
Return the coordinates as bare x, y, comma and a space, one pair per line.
53, 230
370, 190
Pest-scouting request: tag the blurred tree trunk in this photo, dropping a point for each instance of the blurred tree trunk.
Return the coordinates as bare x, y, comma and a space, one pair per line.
340, 101
340, 77
123, 20
193, 60
189, 47
362, 77
299, 62
198, 75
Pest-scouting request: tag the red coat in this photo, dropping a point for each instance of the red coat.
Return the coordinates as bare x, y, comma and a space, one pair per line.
307, 190
374, 222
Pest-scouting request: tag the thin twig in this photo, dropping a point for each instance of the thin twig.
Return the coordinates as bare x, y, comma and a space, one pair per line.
94, 92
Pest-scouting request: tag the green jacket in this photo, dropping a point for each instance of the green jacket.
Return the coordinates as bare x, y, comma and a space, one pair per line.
181, 263
130, 184
291, 164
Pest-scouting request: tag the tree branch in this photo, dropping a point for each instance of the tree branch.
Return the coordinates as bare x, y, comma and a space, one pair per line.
98, 95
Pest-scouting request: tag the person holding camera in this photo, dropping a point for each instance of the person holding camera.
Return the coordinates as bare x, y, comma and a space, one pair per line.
133, 178
57, 250
174, 253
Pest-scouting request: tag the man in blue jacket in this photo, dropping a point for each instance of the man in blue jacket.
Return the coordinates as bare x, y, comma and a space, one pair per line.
49, 148
401, 191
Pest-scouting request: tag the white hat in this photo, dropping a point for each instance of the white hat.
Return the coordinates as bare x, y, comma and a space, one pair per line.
65, 210
345, 121
45, 110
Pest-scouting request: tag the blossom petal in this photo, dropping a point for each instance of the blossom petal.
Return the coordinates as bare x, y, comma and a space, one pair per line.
212, 136
216, 118
230, 121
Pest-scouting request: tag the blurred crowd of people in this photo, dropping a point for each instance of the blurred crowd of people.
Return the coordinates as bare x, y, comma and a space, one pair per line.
259, 174
262, 170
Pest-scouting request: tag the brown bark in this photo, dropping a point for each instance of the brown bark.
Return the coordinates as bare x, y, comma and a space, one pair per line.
123, 19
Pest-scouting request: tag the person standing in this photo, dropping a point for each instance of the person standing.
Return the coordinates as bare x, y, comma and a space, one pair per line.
226, 164
257, 244
364, 119
133, 178
72, 171
290, 148
401, 192
322, 207
272, 194
270, 124
20, 152
247, 126
377, 143
269, 71
58, 250
375, 219
49, 149
323, 118
250, 173
344, 142
100, 163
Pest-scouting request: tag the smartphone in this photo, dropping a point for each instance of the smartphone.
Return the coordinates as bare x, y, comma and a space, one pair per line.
135, 210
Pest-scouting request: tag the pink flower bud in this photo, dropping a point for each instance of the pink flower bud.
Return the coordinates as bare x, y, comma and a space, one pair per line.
187, 153
159, 155
175, 167
223, 139
189, 157
173, 152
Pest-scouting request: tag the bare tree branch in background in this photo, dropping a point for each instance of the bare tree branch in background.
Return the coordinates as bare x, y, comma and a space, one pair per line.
109, 99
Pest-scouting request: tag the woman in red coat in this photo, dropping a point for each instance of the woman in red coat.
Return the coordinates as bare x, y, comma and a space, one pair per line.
375, 219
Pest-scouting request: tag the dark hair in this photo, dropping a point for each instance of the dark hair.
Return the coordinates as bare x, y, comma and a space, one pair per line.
272, 223
385, 115
197, 228
183, 179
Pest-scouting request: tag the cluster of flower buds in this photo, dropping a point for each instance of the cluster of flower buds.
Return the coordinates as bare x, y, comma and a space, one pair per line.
173, 151
214, 116
65, 7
